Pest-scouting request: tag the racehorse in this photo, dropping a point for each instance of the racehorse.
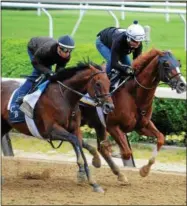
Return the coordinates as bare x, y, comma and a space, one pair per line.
54, 114
133, 108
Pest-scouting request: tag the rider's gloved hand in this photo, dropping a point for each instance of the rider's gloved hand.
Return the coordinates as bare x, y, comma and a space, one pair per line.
128, 70
51, 76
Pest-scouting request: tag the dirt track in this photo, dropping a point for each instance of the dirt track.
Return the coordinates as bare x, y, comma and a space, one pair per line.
54, 183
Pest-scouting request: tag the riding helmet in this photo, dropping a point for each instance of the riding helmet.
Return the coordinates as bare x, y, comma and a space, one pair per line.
66, 42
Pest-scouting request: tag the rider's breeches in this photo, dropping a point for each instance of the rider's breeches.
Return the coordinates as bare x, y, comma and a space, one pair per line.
106, 53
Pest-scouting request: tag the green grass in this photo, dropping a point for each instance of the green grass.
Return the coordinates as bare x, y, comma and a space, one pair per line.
22, 25
140, 152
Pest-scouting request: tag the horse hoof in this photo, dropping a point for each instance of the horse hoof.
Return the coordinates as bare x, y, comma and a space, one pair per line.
123, 180
96, 162
98, 189
144, 171
81, 177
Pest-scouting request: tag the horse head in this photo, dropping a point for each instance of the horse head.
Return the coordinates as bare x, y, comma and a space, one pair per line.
98, 88
169, 72
159, 66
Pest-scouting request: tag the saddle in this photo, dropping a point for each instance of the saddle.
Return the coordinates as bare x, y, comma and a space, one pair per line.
117, 78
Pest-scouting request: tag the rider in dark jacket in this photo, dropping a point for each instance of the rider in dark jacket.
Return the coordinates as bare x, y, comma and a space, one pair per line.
45, 52
116, 44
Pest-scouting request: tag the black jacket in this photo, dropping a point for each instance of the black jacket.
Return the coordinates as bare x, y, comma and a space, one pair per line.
44, 50
116, 40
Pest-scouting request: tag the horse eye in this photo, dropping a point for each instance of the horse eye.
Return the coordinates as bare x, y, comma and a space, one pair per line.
166, 64
98, 84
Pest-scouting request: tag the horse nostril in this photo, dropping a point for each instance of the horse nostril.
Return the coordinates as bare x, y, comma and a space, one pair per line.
181, 85
108, 107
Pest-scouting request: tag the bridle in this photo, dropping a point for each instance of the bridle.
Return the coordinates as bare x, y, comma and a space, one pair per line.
97, 98
166, 79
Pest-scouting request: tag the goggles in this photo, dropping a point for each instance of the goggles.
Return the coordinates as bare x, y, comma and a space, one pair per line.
66, 50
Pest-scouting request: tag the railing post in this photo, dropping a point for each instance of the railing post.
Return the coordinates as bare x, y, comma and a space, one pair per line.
50, 22
147, 30
184, 19
39, 10
167, 14
122, 13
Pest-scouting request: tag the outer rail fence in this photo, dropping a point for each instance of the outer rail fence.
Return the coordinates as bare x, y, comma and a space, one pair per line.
161, 92
118, 6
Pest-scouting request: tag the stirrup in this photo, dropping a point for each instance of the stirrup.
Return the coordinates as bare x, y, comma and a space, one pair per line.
27, 109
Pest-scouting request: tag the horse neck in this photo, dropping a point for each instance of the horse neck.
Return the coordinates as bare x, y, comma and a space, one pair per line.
77, 83
148, 78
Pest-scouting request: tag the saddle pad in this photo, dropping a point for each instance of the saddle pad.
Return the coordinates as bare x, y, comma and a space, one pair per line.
87, 101
17, 116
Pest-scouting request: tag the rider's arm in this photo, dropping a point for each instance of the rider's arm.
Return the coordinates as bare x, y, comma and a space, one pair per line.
137, 51
39, 58
115, 55
62, 64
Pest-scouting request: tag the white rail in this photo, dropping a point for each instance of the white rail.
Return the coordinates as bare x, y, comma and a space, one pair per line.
161, 92
88, 7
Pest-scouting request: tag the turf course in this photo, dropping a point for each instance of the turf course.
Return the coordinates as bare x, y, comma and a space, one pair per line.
19, 26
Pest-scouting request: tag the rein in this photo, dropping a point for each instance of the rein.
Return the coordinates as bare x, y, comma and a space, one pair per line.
142, 86
81, 94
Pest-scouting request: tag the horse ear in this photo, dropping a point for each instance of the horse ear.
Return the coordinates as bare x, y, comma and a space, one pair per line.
180, 65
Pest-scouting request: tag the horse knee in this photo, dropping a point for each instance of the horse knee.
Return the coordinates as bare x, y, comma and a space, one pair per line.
126, 155
160, 141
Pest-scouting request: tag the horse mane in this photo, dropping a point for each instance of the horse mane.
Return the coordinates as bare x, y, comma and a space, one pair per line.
144, 59
68, 72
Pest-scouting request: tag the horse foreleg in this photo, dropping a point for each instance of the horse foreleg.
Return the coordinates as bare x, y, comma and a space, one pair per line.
152, 131
84, 169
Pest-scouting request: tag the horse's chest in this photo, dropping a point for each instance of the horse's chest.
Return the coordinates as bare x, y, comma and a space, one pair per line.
71, 122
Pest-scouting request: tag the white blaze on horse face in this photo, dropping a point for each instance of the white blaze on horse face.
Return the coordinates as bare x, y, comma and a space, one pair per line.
183, 80
177, 69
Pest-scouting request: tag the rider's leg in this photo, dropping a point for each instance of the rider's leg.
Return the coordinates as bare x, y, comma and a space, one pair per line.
25, 88
105, 52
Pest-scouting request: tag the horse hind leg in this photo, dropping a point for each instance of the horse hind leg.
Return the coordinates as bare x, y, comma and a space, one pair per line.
118, 135
96, 161
5, 127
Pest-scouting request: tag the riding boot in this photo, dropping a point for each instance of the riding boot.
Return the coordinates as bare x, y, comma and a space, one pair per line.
19, 100
23, 90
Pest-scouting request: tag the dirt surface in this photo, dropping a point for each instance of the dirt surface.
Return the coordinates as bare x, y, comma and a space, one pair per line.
36, 182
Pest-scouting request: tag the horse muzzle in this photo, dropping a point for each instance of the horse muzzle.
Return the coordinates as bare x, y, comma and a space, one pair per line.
181, 86
107, 107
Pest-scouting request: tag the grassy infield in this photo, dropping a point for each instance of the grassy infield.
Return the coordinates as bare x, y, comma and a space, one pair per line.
23, 25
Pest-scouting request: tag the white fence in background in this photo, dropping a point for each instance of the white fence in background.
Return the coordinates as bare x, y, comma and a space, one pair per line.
119, 6
161, 92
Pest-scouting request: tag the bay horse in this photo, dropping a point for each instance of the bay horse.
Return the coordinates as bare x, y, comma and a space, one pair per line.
55, 111
133, 108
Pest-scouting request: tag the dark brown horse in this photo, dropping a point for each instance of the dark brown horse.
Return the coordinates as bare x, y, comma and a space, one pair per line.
54, 111
133, 107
